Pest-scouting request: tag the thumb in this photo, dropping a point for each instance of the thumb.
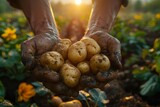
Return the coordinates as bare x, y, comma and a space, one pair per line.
115, 59
27, 53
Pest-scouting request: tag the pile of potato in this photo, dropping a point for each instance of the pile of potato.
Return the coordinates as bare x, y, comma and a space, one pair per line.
77, 61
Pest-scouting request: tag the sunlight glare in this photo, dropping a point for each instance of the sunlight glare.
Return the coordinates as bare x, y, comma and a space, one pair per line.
78, 2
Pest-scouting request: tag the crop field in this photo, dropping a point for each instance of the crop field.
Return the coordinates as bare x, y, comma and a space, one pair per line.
137, 84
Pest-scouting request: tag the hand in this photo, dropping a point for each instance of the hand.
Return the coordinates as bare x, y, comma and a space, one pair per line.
110, 46
34, 47
102, 17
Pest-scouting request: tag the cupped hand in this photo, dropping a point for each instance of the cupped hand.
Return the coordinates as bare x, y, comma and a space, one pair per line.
110, 46
35, 47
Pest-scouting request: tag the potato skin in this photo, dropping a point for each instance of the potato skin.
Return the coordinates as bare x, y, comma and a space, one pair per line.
84, 67
73, 103
56, 101
62, 47
77, 52
92, 47
52, 60
99, 63
70, 75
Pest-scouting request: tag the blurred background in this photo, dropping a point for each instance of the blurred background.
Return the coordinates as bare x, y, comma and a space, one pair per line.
137, 27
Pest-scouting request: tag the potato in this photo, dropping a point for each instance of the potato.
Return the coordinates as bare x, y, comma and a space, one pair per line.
70, 75
92, 47
56, 101
99, 63
77, 52
73, 103
52, 60
83, 67
62, 47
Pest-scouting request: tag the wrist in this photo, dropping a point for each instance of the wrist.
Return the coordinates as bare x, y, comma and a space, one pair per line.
103, 14
94, 30
39, 15
51, 35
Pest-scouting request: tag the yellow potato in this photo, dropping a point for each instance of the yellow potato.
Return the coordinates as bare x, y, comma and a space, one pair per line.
77, 52
56, 101
92, 47
62, 47
52, 60
70, 75
99, 63
83, 67
73, 103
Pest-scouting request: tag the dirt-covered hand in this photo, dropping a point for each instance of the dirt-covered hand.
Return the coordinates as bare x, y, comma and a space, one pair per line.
110, 46
35, 47
41, 19
102, 17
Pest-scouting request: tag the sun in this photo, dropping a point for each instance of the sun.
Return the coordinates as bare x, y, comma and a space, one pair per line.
78, 2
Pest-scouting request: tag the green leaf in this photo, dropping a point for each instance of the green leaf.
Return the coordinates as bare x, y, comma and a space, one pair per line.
156, 28
99, 97
37, 84
151, 86
143, 76
157, 43
40, 88
1, 99
83, 95
2, 62
139, 33
158, 85
157, 64
145, 52
2, 90
141, 70
42, 91
131, 60
4, 49
6, 103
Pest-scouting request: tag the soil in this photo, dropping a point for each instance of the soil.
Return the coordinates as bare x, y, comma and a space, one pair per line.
124, 92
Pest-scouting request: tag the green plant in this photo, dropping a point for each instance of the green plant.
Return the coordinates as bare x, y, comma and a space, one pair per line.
10, 60
132, 41
2, 90
10, 56
95, 96
149, 73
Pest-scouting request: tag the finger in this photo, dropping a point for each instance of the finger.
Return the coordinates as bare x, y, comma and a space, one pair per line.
115, 54
45, 75
116, 60
28, 51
